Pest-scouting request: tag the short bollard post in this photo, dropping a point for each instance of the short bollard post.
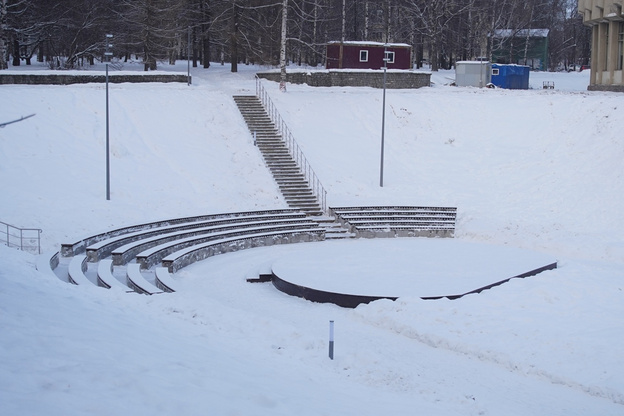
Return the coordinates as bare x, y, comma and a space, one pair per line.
254, 136
331, 340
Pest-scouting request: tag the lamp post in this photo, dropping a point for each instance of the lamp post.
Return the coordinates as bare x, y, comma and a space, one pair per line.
107, 55
383, 115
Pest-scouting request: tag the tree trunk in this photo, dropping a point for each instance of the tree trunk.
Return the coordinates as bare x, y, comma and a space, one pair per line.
16, 53
194, 46
234, 38
205, 36
283, 47
3, 27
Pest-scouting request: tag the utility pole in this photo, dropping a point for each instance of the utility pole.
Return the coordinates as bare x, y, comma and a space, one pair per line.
383, 115
107, 55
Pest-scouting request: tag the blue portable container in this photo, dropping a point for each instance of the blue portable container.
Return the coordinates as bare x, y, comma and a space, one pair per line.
511, 77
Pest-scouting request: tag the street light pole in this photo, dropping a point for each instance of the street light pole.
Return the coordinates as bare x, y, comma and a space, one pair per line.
383, 116
107, 55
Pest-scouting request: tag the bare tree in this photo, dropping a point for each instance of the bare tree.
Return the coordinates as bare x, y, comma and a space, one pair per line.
432, 20
3, 33
150, 27
70, 32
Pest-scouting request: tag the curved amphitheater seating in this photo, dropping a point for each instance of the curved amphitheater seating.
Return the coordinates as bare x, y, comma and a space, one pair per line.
164, 281
154, 254
68, 250
76, 271
189, 255
137, 282
105, 276
123, 254
147, 254
136, 249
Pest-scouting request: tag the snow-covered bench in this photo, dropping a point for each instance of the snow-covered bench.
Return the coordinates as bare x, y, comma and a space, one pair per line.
398, 221
138, 283
164, 281
79, 247
153, 255
125, 253
105, 247
47, 262
105, 276
76, 270
189, 255
388, 230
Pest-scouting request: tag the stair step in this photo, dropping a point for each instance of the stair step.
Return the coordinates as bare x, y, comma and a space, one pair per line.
290, 185
270, 146
286, 172
278, 153
282, 165
286, 163
303, 205
304, 191
301, 198
293, 197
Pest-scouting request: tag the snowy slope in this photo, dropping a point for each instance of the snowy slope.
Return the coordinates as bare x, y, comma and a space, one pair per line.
531, 169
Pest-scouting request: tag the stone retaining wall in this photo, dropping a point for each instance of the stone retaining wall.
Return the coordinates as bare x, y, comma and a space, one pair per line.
338, 78
66, 79
607, 88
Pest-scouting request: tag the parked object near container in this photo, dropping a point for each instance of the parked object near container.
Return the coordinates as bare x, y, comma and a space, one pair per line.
473, 73
511, 77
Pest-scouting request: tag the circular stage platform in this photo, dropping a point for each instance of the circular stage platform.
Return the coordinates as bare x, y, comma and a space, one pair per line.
350, 272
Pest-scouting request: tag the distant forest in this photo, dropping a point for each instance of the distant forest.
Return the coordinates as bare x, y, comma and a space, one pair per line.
69, 34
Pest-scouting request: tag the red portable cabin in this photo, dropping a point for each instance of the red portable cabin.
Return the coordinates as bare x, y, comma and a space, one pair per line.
368, 55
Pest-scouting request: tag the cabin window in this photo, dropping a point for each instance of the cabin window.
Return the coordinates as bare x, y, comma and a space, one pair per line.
389, 58
494, 71
363, 55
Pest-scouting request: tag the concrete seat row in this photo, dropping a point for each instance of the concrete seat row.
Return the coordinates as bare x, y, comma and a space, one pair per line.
135, 282
192, 254
151, 256
397, 221
79, 247
182, 241
123, 247
159, 249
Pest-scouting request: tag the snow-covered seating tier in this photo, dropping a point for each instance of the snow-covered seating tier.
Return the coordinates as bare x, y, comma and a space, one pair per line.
397, 221
124, 248
138, 283
76, 270
190, 255
68, 250
108, 259
127, 256
125, 253
155, 254
105, 276
164, 281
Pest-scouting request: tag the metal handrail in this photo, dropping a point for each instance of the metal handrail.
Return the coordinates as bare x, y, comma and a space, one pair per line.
18, 234
291, 144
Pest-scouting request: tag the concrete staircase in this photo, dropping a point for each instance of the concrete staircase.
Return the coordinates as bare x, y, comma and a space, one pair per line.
289, 176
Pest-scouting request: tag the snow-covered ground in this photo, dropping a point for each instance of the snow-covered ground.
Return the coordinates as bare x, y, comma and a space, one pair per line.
536, 169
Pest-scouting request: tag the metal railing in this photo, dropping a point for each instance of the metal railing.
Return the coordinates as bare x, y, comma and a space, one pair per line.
294, 149
26, 239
